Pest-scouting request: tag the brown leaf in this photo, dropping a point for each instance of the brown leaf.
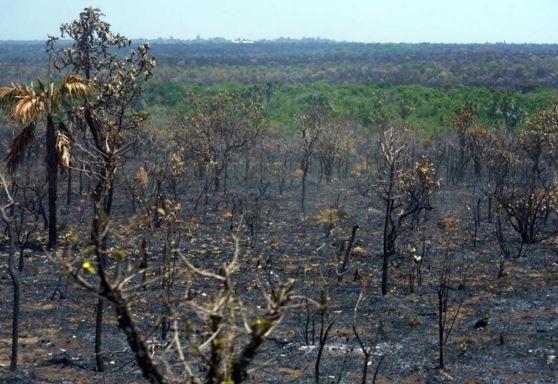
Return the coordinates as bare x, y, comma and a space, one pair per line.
18, 148
63, 147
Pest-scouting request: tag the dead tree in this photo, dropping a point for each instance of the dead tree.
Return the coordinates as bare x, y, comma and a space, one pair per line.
405, 190
215, 128
108, 117
348, 250
13, 272
446, 319
524, 192
366, 351
311, 123
235, 330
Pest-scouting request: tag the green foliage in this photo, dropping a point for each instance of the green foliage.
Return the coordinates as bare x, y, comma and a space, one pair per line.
430, 110
502, 83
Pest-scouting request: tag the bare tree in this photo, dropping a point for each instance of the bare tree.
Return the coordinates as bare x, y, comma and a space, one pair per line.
13, 272
446, 319
477, 140
311, 123
236, 330
462, 122
405, 190
334, 145
366, 350
522, 186
214, 128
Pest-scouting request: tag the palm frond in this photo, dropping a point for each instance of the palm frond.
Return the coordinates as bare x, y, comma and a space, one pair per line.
28, 108
18, 147
75, 86
63, 146
10, 95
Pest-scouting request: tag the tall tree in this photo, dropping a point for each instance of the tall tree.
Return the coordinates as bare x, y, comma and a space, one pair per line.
110, 119
27, 105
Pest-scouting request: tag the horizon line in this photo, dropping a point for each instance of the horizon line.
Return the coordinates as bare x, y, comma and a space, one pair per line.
220, 39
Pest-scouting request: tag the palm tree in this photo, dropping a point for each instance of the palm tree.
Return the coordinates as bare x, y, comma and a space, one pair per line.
26, 105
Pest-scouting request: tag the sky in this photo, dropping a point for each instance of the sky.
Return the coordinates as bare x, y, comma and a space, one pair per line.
410, 21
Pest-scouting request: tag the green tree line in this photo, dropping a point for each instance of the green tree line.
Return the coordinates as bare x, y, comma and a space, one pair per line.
429, 109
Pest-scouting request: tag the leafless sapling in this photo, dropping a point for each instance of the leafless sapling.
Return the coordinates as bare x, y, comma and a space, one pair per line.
366, 350
405, 191
446, 319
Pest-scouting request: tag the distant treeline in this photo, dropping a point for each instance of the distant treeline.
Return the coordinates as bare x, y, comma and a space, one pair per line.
505, 66
423, 84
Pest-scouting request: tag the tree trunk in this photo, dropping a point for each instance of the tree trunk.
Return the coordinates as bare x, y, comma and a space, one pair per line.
99, 336
305, 166
107, 209
216, 180
387, 244
441, 324
14, 275
52, 177
69, 189
15, 317
101, 259
149, 369
225, 174
348, 253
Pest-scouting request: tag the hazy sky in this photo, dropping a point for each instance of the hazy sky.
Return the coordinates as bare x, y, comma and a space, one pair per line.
460, 21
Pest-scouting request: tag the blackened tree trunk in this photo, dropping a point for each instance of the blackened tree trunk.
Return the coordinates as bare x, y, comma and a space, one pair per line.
100, 362
441, 324
52, 178
348, 253
69, 189
96, 238
305, 167
14, 275
389, 237
102, 240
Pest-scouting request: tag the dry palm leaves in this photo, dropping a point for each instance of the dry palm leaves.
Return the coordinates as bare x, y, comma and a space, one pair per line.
19, 146
26, 104
9, 95
23, 102
75, 86
63, 147
28, 107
